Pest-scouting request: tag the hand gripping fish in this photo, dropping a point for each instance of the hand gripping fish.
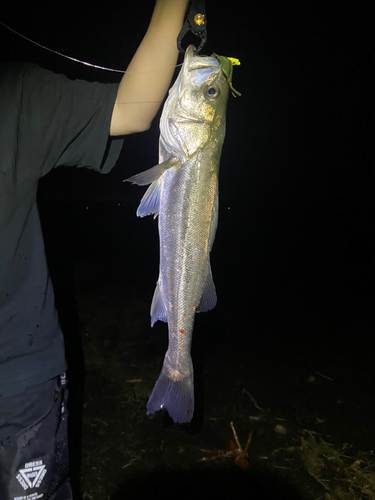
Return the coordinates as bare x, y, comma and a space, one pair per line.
184, 194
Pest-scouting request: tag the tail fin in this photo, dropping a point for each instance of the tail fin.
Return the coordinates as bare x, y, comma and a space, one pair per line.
175, 396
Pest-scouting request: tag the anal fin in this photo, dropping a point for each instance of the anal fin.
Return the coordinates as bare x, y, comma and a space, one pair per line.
158, 309
209, 297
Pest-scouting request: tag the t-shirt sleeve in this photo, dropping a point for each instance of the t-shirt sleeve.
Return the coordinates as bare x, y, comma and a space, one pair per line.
66, 122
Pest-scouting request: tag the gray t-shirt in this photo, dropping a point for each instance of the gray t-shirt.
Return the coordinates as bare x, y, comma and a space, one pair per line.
46, 120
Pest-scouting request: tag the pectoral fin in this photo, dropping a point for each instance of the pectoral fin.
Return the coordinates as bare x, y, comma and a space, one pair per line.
150, 175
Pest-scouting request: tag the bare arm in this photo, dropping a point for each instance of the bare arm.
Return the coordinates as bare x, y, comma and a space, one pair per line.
150, 71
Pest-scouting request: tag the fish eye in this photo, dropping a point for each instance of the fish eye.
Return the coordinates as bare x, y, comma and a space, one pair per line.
213, 93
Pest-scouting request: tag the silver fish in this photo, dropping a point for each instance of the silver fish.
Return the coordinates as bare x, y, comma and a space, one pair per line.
184, 194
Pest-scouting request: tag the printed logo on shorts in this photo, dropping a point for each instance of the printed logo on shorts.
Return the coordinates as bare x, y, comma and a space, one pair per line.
31, 477
33, 496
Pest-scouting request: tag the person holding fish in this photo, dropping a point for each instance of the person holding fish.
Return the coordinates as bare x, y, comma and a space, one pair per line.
47, 121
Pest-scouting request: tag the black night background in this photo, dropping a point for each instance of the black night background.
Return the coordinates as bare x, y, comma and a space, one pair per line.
287, 353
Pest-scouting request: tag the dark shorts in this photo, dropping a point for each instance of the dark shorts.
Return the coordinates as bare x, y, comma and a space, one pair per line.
34, 462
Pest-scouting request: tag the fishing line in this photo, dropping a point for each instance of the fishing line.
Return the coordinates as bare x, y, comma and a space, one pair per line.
78, 60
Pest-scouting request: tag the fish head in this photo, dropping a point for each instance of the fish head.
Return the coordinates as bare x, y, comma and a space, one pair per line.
194, 113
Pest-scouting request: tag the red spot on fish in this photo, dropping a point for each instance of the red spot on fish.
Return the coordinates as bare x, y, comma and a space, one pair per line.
182, 330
